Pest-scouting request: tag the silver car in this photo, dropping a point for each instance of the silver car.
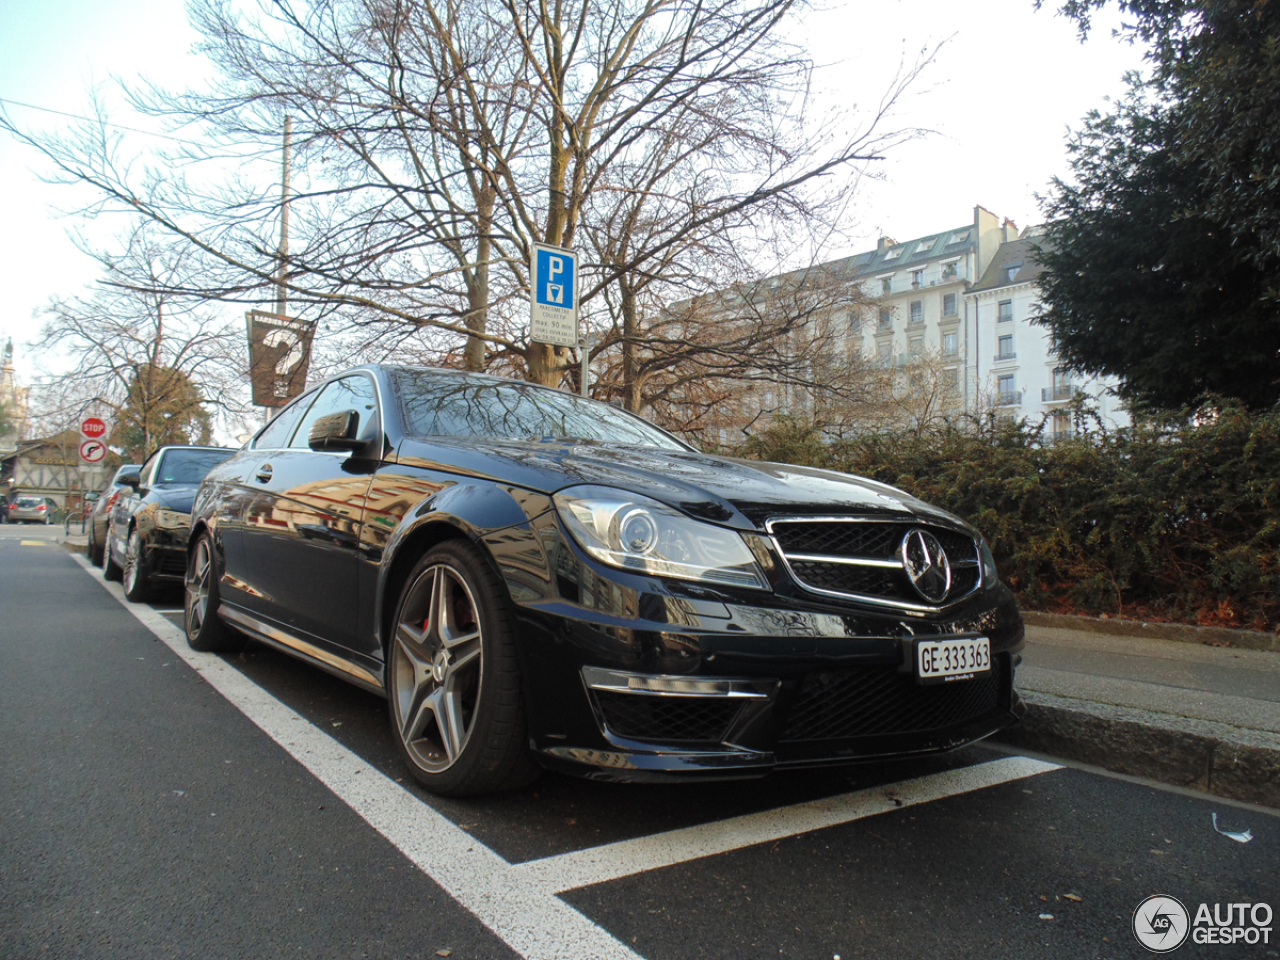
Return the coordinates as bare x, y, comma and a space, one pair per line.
31, 510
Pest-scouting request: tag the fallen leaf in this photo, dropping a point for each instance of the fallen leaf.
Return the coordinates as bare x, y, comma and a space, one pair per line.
1073, 898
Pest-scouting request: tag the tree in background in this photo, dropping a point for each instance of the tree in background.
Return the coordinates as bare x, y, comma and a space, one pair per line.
161, 407
1162, 258
155, 363
438, 140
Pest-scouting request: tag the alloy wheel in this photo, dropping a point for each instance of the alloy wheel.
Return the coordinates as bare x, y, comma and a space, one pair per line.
197, 594
132, 561
437, 669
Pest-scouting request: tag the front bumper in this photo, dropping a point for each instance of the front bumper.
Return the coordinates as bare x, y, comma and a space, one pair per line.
632, 678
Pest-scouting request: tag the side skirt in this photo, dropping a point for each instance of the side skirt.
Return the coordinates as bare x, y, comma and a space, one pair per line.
294, 646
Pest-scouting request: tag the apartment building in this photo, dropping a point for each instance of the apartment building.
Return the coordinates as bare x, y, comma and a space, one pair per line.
1010, 362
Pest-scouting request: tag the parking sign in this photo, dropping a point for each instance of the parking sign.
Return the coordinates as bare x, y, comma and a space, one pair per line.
553, 308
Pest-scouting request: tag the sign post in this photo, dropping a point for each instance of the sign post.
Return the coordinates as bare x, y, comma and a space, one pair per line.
93, 448
553, 308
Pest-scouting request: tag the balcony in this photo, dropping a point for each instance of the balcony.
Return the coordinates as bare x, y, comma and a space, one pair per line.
1009, 398
1060, 393
1002, 357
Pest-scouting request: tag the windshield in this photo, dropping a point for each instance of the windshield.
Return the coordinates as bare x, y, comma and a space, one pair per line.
189, 466
457, 405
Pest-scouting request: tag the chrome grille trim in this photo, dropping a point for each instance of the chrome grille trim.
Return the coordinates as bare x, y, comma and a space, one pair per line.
896, 603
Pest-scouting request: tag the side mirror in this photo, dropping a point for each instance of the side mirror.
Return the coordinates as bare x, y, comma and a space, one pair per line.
131, 480
337, 431
90, 498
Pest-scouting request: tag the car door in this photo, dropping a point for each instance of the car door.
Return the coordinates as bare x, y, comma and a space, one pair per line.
232, 489
301, 523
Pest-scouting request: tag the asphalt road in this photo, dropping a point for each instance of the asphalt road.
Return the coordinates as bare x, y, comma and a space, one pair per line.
161, 804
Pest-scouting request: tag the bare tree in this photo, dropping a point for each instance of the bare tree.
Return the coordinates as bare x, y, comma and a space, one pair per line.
438, 140
155, 363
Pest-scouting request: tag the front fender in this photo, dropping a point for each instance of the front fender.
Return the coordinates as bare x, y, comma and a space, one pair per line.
479, 512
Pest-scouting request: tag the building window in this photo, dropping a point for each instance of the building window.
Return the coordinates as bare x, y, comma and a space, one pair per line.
917, 278
1005, 311
915, 347
948, 304
886, 319
894, 254
951, 380
961, 237
886, 353
1006, 395
1011, 272
917, 311
949, 270
950, 344
854, 324
1006, 348
886, 286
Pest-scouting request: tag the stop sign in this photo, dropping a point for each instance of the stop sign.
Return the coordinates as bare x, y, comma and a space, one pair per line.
93, 428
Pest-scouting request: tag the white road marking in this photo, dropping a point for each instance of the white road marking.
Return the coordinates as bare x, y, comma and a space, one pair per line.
584, 868
530, 919
518, 902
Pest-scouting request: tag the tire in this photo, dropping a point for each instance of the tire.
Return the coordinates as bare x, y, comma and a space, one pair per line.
110, 569
457, 671
205, 630
95, 548
137, 588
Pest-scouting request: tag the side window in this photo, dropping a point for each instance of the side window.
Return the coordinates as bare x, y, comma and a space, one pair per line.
350, 393
276, 433
148, 473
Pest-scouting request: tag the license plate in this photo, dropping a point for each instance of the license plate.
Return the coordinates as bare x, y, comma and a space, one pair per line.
949, 661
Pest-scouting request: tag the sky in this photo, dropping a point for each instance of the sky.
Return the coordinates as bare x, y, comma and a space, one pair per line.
1004, 89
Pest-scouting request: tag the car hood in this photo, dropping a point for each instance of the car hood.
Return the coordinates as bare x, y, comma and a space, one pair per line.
737, 493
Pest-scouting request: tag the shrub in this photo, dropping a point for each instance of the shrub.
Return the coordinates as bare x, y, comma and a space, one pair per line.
1177, 518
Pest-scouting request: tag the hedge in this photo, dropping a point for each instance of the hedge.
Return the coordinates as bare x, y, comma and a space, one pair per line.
1175, 519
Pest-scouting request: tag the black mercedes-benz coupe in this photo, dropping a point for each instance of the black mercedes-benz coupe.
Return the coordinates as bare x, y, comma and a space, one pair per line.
533, 580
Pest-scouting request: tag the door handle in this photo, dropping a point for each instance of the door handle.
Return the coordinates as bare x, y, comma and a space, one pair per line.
264, 473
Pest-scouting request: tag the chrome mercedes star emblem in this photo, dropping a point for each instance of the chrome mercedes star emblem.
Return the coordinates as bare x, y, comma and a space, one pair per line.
926, 564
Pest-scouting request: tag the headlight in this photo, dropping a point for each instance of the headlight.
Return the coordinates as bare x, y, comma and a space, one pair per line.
172, 520
989, 575
635, 533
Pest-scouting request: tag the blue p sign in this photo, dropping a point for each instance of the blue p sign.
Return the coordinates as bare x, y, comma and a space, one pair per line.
555, 279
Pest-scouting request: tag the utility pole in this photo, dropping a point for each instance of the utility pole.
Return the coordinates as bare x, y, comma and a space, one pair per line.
282, 297
282, 253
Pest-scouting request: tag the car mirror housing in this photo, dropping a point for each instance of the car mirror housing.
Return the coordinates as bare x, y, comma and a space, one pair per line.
337, 431
131, 480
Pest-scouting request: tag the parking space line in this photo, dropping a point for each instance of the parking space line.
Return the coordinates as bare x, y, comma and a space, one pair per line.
528, 917
583, 868
519, 902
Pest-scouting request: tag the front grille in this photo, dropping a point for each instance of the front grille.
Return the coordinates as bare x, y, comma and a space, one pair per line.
818, 553
643, 717
841, 704
172, 565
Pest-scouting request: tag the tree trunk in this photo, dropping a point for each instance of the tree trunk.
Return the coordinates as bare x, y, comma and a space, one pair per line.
631, 397
478, 283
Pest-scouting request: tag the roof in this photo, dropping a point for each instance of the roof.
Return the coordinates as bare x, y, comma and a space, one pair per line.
1015, 262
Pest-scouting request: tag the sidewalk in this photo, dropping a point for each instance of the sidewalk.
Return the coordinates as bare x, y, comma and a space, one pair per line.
1185, 713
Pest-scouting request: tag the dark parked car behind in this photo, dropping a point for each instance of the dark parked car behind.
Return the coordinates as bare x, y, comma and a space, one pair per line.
100, 515
533, 579
145, 541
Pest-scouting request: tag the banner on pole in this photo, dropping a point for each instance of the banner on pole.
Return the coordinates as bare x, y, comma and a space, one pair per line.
279, 357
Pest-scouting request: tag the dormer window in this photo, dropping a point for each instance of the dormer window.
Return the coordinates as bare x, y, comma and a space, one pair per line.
894, 253
1011, 272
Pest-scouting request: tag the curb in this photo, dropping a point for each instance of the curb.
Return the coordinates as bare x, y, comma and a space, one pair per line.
1214, 636
72, 547
1211, 757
